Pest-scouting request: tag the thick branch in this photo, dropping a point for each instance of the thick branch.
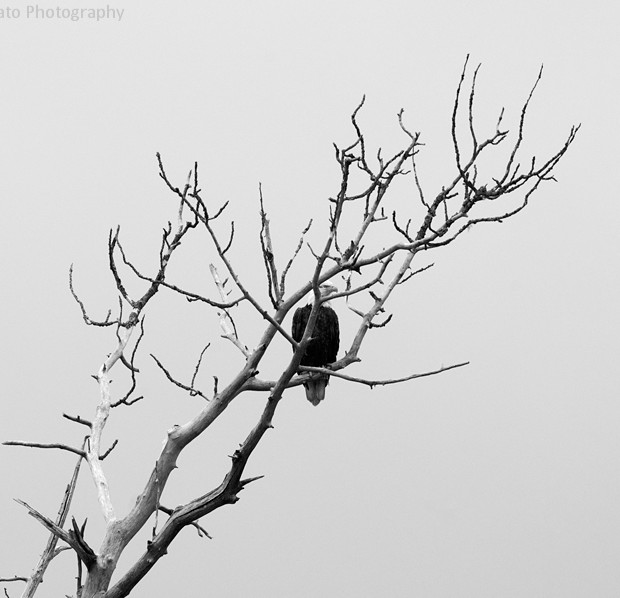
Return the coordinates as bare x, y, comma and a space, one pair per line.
226, 493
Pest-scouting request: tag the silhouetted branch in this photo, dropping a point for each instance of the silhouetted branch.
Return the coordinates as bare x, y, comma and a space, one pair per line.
132, 368
198, 364
386, 382
52, 445
290, 262
85, 317
201, 530
78, 420
192, 391
109, 450
78, 544
266, 244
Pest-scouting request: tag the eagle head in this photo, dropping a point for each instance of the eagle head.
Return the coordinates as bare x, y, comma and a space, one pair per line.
327, 289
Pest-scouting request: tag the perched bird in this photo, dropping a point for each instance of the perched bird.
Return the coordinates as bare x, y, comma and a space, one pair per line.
324, 342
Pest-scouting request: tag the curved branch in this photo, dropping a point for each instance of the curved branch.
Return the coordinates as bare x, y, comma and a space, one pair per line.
385, 382
190, 296
88, 321
191, 389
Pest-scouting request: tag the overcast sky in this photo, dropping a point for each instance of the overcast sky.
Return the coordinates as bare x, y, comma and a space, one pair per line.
499, 479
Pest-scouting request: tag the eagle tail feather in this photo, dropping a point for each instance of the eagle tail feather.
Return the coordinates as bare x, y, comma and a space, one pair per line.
315, 390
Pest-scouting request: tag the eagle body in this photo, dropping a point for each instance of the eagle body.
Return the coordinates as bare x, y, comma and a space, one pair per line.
322, 348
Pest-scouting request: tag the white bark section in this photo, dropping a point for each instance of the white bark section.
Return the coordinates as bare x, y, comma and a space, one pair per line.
103, 411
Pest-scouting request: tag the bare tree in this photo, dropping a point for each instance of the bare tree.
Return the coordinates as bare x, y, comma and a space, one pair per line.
369, 270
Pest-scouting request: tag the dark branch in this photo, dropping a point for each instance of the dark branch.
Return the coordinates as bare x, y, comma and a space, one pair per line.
132, 368
86, 318
201, 530
192, 391
78, 420
86, 554
386, 382
53, 445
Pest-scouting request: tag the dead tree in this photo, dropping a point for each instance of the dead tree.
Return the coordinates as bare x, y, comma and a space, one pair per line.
371, 274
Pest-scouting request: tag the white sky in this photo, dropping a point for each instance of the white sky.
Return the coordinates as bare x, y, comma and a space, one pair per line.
501, 479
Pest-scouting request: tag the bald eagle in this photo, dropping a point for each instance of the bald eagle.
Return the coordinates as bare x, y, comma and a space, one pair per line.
324, 342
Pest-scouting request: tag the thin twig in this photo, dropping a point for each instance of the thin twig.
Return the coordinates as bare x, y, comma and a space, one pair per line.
52, 445
89, 321
198, 363
386, 382
132, 368
226, 322
191, 389
78, 420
